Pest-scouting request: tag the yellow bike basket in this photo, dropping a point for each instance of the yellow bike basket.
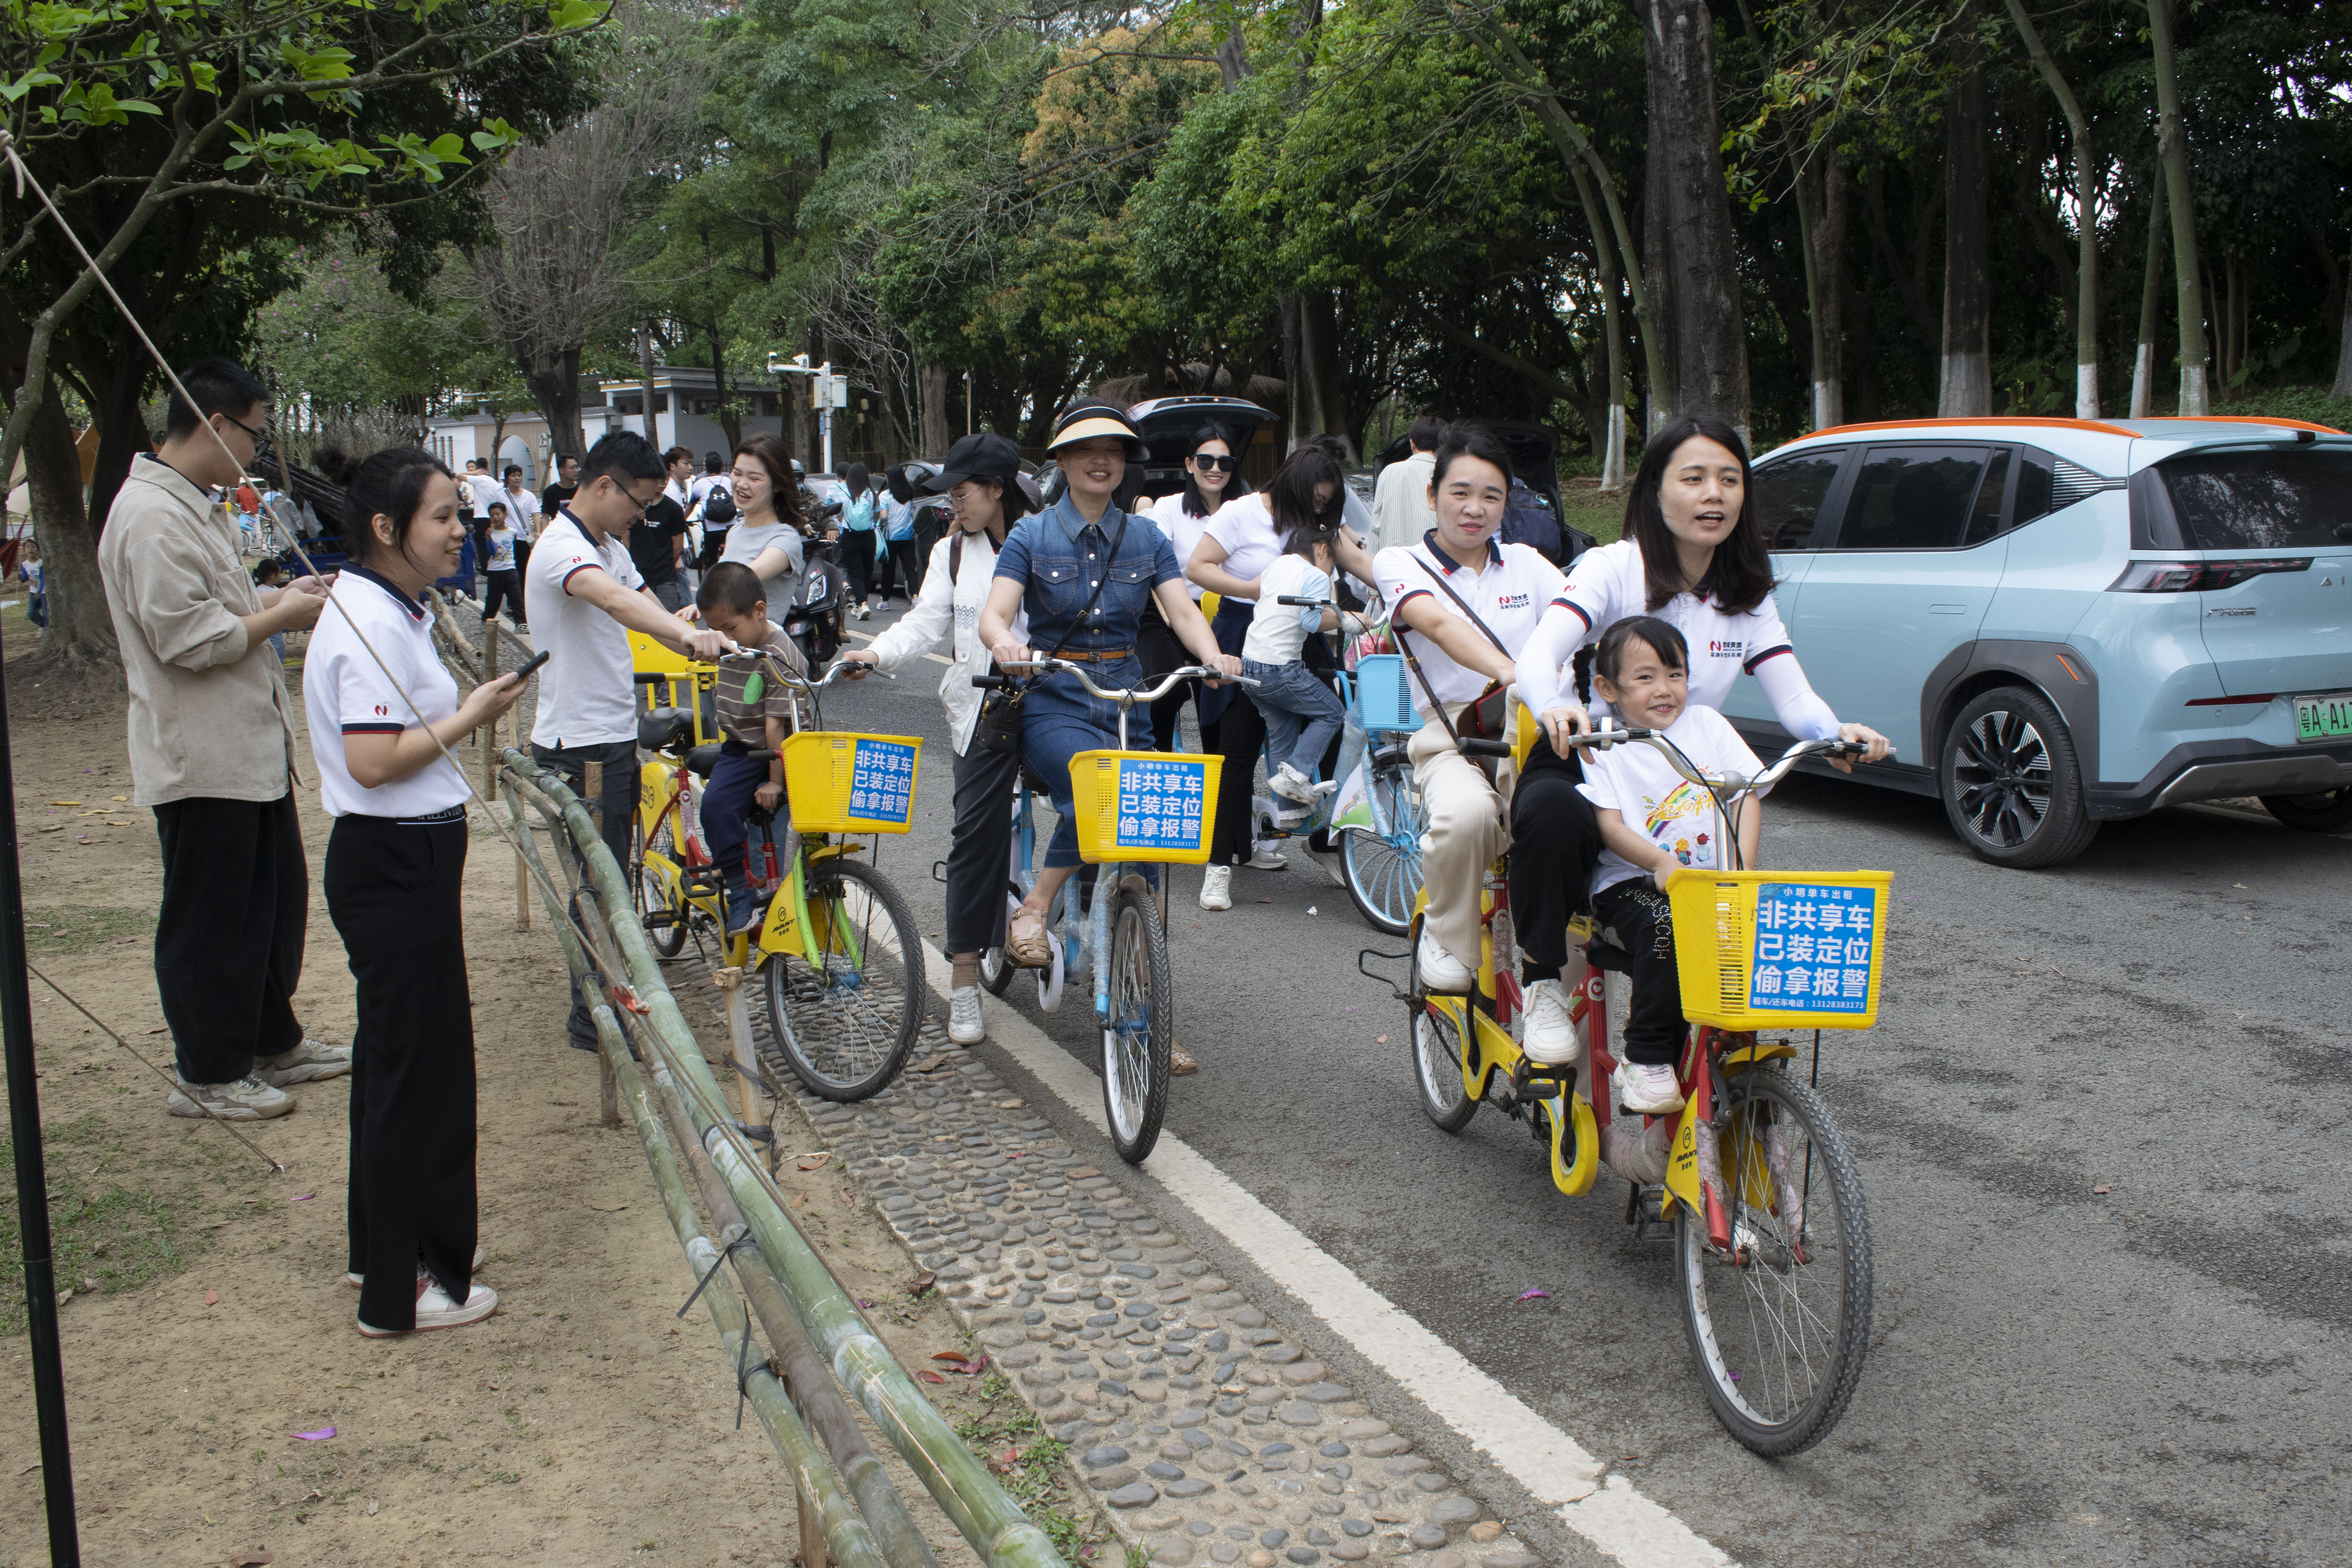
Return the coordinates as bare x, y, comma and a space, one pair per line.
1144, 805
840, 783
1775, 950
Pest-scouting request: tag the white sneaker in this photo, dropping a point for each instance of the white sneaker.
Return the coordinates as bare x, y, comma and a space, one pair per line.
1216, 887
1292, 785
1264, 857
1649, 1089
434, 1310
480, 1257
310, 1059
865, 612
1440, 970
1550, 1039
965, 1027
246, 1100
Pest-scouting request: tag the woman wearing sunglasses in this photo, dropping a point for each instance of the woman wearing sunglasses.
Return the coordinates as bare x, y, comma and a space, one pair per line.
1212, 478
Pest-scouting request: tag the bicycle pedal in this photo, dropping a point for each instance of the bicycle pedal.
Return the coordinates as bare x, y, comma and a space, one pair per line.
1531, 1081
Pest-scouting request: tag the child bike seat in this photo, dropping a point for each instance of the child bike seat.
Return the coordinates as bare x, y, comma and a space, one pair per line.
702, 759
658, 729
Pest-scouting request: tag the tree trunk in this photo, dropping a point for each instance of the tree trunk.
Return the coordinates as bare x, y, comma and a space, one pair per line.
1822, 214
1692, 268
2343, 387
1233, 58
731, 418
1294, 376
1965, 389
1319, 341
2172, 148
81, 628
936, 436
646, 377
2086, 225
2150, 293
553, 378
1610, 430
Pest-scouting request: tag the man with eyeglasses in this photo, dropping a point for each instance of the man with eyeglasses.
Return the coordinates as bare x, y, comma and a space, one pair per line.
212, 754
584, 597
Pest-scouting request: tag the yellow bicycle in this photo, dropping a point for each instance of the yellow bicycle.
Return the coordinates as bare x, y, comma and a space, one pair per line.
1752, 1179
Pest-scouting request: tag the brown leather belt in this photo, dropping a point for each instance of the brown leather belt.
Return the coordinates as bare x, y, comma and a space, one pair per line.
1107, 656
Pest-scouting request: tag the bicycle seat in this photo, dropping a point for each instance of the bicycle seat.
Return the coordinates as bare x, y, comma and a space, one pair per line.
658, 729
702, 759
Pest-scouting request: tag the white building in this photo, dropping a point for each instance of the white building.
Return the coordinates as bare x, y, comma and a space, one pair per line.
686, 402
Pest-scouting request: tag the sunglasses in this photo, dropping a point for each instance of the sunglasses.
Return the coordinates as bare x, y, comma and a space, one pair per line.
1215, 464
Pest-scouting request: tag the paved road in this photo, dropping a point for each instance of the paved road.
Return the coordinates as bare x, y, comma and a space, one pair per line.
2057, 1376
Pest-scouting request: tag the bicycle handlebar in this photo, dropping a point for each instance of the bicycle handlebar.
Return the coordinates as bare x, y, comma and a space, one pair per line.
1732, 784
1126, 697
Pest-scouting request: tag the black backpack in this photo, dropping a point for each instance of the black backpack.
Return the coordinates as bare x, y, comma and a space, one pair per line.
718, 506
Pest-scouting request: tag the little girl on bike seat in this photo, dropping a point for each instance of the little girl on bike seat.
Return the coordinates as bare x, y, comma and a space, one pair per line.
1302, 714
1653, 823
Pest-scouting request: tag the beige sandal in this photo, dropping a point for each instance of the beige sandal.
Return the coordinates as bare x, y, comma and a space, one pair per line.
1025, 940
1180, 1063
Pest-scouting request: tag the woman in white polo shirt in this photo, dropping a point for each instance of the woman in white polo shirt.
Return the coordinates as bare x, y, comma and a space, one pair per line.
1465, 605
1692, 555
371, 685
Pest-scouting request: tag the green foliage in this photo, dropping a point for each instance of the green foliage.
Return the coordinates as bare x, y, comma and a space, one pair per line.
346, 341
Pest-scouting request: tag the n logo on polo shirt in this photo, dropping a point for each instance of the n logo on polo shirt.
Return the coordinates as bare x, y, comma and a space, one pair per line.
381, 710
1726, 647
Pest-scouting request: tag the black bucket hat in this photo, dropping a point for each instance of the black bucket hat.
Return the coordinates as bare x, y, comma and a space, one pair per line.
1085, 421
977, 457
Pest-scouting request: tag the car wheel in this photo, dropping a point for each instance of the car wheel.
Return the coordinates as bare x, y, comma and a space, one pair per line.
2328, 811
2012, 783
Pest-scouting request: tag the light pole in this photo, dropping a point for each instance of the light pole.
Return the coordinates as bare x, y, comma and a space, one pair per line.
827, 390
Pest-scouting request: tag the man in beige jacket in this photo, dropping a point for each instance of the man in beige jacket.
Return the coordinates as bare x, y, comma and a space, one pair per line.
212, 752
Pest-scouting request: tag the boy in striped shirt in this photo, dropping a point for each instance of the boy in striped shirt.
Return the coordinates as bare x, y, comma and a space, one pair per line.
755, 713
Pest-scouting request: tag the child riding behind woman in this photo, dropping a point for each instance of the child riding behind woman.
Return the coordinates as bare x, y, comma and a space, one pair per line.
1302, 714
755, 714
1653, 822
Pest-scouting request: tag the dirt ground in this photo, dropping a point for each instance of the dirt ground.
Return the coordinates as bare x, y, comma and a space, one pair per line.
583, 1424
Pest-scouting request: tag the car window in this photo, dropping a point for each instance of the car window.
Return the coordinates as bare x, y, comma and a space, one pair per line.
1984, 518
1912, 498
1789, 497
2262, 499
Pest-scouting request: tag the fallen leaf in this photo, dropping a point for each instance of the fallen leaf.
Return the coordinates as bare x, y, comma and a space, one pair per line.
118, 797
928, 1376
1533, 1295
813, 1162
259, 1557
1008, 1105
211, 1298
2107, 1187
111, 823
157, 1029
301, 1197
65, 803
801, 1201
320, 1435
922, 1283
956, 1356
100, 811
55, 828
935, 1063
1381, 1041
1266, 900
373, 1506
608, 1208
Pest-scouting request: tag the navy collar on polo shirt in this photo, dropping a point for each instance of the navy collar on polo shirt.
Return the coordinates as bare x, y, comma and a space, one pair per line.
1450, 565
413, 606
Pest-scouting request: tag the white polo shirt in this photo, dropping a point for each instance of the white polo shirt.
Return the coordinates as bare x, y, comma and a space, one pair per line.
346, 692
1508, 593
587, 693
1607, 585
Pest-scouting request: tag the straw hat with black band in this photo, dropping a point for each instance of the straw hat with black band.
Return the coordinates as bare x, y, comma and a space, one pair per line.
1085, 421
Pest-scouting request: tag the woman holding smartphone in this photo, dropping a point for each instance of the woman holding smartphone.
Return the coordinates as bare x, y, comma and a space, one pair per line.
379, 699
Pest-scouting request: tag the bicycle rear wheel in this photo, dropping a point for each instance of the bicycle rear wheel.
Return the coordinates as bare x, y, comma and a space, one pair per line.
1136, 1042
1781, 1327
666, 937
1383, 874
847, 1023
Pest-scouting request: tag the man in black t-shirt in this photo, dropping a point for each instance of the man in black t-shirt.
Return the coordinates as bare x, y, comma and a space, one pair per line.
552, 499
657, 549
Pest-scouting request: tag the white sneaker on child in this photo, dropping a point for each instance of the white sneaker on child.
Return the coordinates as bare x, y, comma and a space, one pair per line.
1648, 1088
1550, 1039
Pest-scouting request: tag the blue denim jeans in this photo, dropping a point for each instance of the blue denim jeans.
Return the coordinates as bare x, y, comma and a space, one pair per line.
1302, 714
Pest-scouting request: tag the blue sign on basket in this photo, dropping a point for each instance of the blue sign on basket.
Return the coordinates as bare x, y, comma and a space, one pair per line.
882, 781
1811, 951
1160, 802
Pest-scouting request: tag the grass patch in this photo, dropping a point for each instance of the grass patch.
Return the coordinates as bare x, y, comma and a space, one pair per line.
124, 1220
1032, 1466
51, 929
1602, 516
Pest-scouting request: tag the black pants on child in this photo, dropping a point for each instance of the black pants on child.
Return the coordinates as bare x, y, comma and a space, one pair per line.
619, 761
979, 853
229, 937
506, 588
1644, 924
392, 892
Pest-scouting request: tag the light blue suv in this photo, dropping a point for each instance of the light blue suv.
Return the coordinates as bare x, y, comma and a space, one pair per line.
2058, 622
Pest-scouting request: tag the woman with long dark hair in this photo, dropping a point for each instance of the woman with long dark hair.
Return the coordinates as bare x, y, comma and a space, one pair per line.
861, 522
768, 534
395, 861
1309, 491
1212, 478
1692, 554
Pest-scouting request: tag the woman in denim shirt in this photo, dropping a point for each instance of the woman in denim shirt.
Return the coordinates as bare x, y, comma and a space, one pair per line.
1049, 566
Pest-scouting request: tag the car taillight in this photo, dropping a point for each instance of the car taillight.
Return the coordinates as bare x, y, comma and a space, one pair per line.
2199, 576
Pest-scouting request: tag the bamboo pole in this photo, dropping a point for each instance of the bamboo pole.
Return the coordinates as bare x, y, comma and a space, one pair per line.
987, 1518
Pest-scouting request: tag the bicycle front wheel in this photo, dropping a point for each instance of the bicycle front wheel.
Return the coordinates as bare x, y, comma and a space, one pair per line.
846, 1023
664, 923
1780, 1326
1141, 1033
1383, 873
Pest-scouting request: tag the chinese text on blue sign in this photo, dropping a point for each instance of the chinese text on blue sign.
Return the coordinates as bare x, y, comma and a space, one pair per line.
882, 782
1813, 949
1160, 802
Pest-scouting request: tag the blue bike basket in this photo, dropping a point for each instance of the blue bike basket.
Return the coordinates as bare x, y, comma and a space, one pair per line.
1384, 693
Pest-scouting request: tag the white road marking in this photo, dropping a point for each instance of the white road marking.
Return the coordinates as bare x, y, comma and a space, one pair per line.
1553, 1466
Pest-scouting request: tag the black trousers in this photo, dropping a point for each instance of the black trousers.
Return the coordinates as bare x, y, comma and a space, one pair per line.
858, 559
1241, 738
504, 588
979, 852
392, 892
904, 566
1157, 648
1555, 845
229, 937
1645, 923
619, 761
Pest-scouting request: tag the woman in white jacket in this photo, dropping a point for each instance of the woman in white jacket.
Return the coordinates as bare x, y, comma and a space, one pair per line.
981, 479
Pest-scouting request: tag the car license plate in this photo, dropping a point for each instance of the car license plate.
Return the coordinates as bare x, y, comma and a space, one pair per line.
2327, 717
